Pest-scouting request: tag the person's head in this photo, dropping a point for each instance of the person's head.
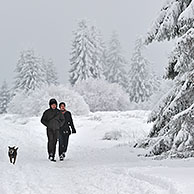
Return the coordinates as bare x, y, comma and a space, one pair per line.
62, 106
53, 103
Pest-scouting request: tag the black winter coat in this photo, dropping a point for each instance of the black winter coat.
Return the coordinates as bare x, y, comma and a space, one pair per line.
68, 123
53, 119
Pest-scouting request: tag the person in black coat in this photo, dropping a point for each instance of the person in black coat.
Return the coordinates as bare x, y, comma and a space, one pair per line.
53, 119
65, 131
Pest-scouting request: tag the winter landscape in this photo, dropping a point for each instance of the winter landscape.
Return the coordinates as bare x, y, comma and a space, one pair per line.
124, 73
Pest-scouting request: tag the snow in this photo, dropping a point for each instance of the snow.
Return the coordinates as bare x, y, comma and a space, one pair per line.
188, 13
173, 20
92, 165
86, 54
100, 95
115, 63
36, 102
30, 71
143, 82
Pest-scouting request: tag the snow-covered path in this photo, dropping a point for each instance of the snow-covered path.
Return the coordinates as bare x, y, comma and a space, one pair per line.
93, 165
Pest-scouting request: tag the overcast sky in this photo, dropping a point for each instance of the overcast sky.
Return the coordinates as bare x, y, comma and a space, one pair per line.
47, 25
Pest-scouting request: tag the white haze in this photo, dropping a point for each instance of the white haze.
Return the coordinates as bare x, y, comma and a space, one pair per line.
47, 27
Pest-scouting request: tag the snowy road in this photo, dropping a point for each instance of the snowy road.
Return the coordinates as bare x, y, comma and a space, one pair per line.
93, 165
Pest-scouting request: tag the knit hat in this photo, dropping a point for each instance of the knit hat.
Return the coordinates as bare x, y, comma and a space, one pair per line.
52, 101
61, 104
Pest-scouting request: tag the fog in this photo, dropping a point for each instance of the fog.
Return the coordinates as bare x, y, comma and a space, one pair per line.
47, 26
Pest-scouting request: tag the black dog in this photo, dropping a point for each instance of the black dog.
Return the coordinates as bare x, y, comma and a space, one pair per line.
12, 153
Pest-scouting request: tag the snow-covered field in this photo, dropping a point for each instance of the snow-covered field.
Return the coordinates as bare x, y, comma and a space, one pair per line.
93, 165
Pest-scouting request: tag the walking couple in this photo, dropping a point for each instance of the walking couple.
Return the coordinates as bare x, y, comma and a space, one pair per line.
58, 123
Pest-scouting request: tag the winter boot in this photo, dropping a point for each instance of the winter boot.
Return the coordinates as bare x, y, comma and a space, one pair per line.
50, 156
63, 154
52, 159
61, 158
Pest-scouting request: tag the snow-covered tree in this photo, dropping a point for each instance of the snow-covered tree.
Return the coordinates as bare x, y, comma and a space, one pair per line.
86, 54
164, 87
173, 130
5, 97
174, 19
51, 74
101, 95
98, 54
115, 64
30, 72
142, 81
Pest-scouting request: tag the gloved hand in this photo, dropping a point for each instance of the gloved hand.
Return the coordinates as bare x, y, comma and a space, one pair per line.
73, 131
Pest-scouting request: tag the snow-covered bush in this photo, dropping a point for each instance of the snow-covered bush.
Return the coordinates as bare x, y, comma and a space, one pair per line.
112, 135
35, 102
103, 96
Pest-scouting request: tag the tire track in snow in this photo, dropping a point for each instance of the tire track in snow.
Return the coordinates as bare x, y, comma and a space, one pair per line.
103, 180
163, 183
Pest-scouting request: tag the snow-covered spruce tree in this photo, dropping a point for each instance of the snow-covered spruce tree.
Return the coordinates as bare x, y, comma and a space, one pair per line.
115, 64
51, 74
30, 72
174, 20
5, 98
98, 53
85, 56
173, 129
142, 81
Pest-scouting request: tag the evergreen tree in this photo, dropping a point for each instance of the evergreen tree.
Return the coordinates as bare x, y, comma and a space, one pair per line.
174, 19
115, 63
51, 74
173, 130
5, 98
142, 81
98, 54
85, 56
30, 72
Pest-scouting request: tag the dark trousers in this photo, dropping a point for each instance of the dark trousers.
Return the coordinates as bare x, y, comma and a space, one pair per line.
52, 141
63, 142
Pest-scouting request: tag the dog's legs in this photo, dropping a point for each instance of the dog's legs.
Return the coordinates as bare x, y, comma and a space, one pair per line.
10, 160
14, 160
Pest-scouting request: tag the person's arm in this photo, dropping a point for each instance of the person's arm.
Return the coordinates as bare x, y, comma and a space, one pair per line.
72, 124
62, 119
44, 119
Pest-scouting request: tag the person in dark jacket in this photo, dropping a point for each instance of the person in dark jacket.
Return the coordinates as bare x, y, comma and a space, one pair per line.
53, 119
65, 131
